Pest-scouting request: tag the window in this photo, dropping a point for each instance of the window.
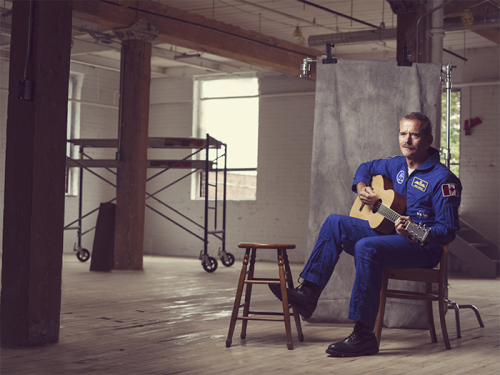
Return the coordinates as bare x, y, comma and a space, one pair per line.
73, 130
228, 110
454, 130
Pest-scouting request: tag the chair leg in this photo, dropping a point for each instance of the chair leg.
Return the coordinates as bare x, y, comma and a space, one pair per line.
430, 314
284, 299
442, 318
381, 310
237, 300
248, 294
289, 281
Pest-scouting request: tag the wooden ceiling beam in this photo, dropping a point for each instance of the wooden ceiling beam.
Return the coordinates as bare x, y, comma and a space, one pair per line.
199, 33
490, 34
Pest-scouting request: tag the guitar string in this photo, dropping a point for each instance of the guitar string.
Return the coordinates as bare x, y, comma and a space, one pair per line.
389, 213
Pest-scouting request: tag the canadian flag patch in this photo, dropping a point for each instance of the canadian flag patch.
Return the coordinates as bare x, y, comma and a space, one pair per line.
449, 190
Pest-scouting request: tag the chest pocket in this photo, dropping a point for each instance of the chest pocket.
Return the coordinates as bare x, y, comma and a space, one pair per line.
420, 199
419, 184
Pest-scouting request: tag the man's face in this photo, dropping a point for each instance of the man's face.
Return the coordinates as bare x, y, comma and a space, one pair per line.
412, 142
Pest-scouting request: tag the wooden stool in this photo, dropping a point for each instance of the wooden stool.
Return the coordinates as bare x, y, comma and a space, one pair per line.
246, 277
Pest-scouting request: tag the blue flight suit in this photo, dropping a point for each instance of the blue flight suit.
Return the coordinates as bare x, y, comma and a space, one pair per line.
433, 197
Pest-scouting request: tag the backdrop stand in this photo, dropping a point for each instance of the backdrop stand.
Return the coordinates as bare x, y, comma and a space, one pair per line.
447, 157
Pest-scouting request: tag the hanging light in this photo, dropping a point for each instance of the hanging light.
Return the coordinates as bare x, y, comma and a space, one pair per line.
467, 18
297, 32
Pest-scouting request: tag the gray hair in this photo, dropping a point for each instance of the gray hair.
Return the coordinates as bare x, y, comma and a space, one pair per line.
424, 120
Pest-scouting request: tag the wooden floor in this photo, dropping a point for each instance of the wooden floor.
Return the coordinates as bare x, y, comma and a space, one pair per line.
173, 318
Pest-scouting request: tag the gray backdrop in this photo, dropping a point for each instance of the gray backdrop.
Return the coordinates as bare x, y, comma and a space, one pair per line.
358, 108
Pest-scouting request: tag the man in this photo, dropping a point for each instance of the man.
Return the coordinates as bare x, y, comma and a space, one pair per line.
433, 197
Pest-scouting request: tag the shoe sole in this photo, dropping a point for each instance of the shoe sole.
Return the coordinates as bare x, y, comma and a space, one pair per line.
275, 288
333, 353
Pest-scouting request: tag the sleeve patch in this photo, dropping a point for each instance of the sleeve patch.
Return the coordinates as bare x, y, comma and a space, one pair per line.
449, 190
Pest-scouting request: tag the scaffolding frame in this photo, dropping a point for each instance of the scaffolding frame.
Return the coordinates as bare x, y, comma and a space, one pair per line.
198, 144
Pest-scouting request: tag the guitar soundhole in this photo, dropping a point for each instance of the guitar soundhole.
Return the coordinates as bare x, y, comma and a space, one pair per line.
376, 206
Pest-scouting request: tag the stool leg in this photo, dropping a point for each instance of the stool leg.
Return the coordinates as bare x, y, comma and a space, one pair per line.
289, 280
248, 294
284, 298
237, 300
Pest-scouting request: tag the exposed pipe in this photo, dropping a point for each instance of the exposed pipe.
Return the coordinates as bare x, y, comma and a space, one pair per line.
30, 31
337, 13
491, 20
353, 37
491, 82
420, 19
455, 54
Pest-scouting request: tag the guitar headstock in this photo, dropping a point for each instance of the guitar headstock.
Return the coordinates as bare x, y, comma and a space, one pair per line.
418, 232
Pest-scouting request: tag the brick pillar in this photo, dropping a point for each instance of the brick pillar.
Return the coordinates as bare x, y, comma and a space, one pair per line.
408, 13
133, 142
34, 174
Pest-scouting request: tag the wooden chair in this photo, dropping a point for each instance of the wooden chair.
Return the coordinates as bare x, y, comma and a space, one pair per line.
426, 275
247, 277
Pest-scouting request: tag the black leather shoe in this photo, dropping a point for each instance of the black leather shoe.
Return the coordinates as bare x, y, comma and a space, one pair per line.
304, 298
361, 341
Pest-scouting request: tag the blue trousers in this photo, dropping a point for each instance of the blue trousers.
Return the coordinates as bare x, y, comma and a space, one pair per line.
372, 253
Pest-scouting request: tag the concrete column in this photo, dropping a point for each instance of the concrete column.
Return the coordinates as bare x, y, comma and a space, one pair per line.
133, 142
437, 32
34, 172
437, 37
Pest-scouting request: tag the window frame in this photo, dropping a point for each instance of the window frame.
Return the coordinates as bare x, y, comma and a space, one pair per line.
200, 132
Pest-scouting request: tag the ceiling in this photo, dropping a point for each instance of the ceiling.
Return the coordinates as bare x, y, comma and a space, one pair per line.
96, 45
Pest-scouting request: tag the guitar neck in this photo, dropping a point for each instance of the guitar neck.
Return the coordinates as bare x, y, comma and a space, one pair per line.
386, 212
417, 231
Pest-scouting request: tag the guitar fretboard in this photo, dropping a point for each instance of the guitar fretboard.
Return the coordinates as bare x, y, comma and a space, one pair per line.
386, 212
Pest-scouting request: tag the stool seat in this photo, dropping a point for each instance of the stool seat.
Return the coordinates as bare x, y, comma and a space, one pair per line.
247, 277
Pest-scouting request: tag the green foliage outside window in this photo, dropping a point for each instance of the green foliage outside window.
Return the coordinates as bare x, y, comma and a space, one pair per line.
454, 130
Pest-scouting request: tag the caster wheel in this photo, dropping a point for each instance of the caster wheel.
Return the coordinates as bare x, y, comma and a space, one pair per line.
210, 267
230, 260
83, 255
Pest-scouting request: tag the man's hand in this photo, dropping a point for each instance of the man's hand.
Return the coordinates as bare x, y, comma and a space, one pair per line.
400, 225
366, 194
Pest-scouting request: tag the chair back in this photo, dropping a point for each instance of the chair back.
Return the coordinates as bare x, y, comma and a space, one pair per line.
443, 268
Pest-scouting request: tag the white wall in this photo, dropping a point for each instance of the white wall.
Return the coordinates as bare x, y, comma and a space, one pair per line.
285, 144
479, 152
99, 119
285, 139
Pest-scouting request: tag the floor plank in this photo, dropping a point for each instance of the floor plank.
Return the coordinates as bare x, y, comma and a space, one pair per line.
173, 317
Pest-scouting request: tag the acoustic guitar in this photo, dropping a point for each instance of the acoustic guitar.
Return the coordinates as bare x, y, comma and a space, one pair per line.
386, 210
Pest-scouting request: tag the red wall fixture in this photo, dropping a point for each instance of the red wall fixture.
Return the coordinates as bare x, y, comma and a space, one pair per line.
474, 122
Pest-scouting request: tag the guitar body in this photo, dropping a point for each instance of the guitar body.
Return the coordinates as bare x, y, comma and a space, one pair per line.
383, 188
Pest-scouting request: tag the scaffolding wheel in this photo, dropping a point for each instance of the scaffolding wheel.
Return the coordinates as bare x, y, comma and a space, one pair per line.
82, 254
209, 264
227, 259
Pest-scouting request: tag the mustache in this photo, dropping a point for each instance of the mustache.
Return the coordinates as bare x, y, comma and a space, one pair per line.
406, 145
